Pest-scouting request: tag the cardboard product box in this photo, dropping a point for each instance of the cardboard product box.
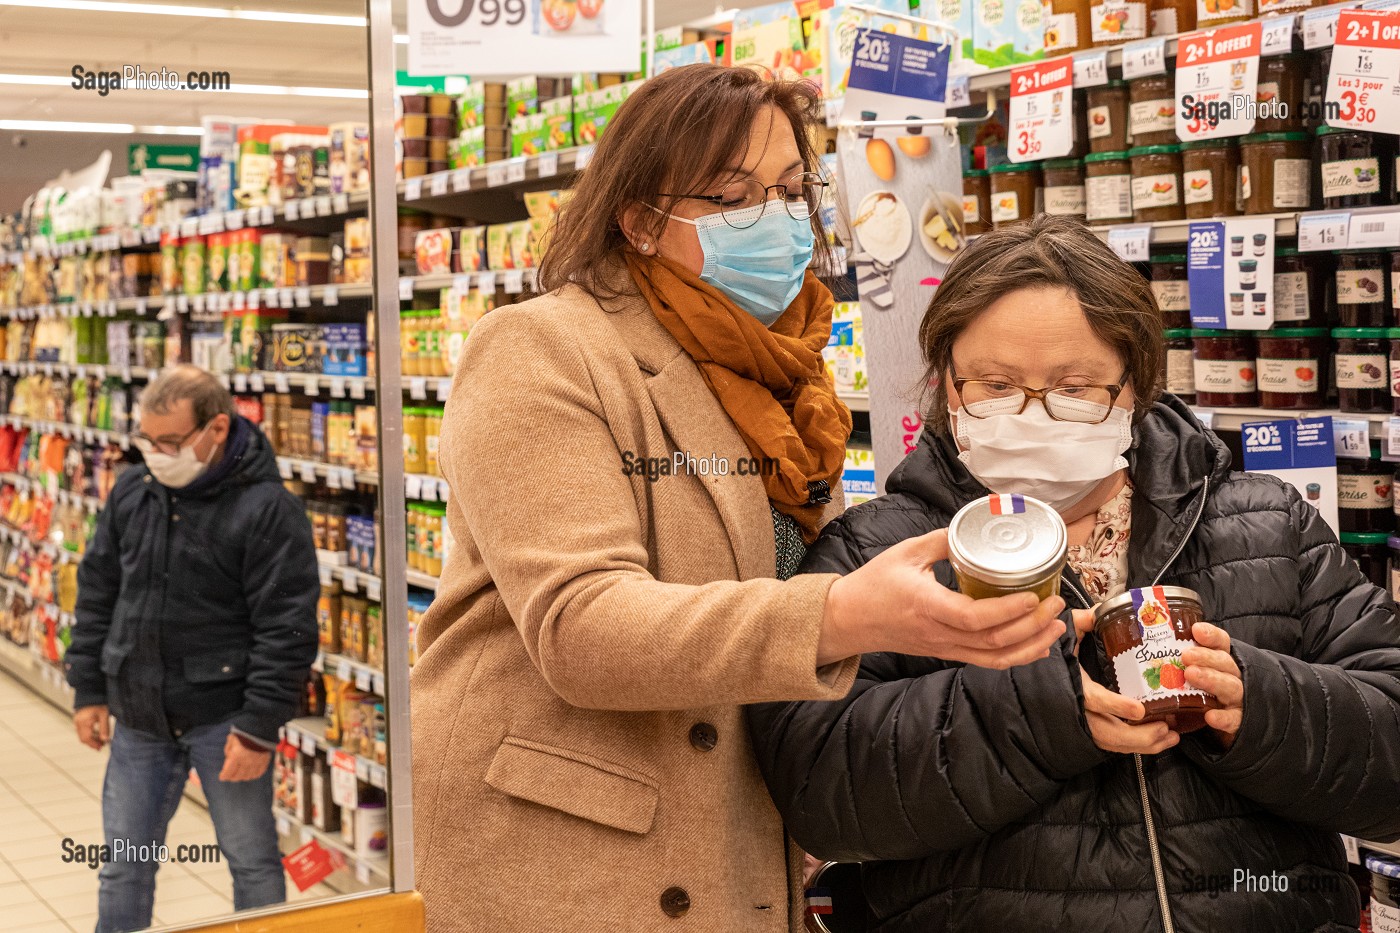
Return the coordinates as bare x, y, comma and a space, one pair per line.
771, 47
345, 350
357, 238
433, 250
366, 444
471, 107
359, 270
525, 242
276, 268
468, 149
696, 54
559, 123
498, 247
294, 348
471, 249
528, 135
522, 97
1004, 32
349, 157
593, 111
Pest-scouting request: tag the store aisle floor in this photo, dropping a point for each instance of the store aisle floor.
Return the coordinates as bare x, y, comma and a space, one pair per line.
51, 788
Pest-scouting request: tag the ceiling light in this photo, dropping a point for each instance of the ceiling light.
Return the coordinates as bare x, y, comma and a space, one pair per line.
162, 9
65, 126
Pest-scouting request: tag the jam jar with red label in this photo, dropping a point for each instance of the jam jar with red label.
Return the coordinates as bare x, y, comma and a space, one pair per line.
1364, 494
1290, 367
1225, 373
1141, 635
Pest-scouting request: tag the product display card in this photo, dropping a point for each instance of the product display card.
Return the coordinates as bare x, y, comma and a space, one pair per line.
897, 78
1217, 82
1042, 118
1301, 453
1363, 89
1230, 267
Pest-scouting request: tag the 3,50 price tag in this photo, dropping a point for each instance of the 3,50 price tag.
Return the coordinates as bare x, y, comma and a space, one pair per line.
1217, 79
1041, 123
1363, 87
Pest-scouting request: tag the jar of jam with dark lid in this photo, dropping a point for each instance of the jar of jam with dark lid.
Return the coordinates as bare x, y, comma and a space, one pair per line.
1298, 298
1362, 369
1360, 290
1151, 110
1371, 551
1349, 167
1210, 171
1290, 367
1156, 183
1171, 289
1107, 107
1064, 187
1365, 501
1180, 366
1394, 369
1224, 368
1274, 172
977, 201
1282, 80
1108, 187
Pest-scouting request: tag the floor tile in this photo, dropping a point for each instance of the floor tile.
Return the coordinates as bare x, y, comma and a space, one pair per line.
14, 894
44, 866
191, 909
35, 912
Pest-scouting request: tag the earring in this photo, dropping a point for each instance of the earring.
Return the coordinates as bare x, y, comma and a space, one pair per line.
645, 247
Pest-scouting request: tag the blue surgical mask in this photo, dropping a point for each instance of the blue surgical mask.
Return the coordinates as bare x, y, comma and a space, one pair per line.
759, 267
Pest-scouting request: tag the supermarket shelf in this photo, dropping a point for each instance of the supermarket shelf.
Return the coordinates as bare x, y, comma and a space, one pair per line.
419, 387
1388, 848
351, 580
1232, 419
1178, 231
336, 477
506, 173
424, 488
20, 481
367, 872
309, 734
855, 401
415, 578
511, 281
75, 370
71, 431
38, 675
303, 296
314, 384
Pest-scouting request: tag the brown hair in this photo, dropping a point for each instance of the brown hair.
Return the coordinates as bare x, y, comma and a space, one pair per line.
1045, 252
677, 133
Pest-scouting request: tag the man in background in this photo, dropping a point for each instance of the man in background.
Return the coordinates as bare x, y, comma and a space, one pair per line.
196, 629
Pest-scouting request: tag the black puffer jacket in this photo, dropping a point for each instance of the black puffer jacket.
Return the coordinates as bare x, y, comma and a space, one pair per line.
978, 799
196, 605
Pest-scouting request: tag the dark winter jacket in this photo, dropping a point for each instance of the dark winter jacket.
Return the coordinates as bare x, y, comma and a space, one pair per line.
198, 605
977, 798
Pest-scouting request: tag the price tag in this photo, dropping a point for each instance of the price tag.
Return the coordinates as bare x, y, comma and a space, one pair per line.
437, 185
254, 299
182, 303
240, 382
1130, 242
428, 489
1392, 437
373, 591
323, 206
362, 874
240, 301
515, 170
486, 281
337, 387
256, 383
958, 93
364, 680
406, 288
347, 478
1353, 851
357, 388
281, 382
141, 306
344, 789
548, 164
418, 388
413, 189
308, 836
514, 281
361, 765
1351, 438
286, 297
583, 157
1323, 232
272, 298
292, 209
308, 744
1369, 231
1277, 38
348, 577
495, 174
413, 486
340, 203
1091, 68
1320, 27
326, 574
312, 385
1364, 88
377, 773
308, 472
284, 826
444, 389
1042, 122
331, 296
1216, 71
303, 297
462, 179
343, 669
1146, 57
1206, 417
268, 214
189, 227
443, 490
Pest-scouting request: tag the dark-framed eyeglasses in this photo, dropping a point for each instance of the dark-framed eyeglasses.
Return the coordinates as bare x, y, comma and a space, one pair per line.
148, 445
801, 196
1083, 404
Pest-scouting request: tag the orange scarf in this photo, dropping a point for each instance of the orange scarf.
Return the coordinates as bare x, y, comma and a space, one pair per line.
770, 380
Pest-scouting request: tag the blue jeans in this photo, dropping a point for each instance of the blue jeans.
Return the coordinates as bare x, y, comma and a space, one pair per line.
145, 780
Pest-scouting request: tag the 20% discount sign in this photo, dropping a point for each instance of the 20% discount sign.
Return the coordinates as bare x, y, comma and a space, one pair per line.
1042, 124
1363, 87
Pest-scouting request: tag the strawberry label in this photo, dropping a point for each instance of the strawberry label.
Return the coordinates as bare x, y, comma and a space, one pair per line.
1153, 669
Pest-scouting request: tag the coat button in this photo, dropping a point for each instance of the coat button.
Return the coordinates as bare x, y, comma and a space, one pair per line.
146, 478
704, 736
225, 669
675, 902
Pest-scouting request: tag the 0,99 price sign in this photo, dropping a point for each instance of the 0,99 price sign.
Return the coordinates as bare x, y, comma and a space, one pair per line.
1041, 121
507, 37
1217, 82
1363, 87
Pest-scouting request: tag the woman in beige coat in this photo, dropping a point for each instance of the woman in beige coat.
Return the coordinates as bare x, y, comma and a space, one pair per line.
636, 460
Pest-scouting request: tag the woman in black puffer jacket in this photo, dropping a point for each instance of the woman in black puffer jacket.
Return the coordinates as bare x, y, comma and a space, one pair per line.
979, 798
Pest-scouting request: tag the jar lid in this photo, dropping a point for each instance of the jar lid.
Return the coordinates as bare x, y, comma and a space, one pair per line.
1168, 257
1364, 333
1126, 599
1293, 332
1365, 537
1007, 540
1225, 143
1286, 251
1106, 156
1325, 130
1062, 163
1177, 333
1116, 82
1274, 138
1381, 865
1153, 150
1015, 167
1393, 542
975, 173
1204, 332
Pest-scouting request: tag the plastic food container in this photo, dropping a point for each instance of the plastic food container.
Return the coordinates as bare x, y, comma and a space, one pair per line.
1364, 495
1281, 80
1107, 107
1362, 368
1113, 22
1171, 289
1210, 170
977, 201
1141, 635
1360, 290
1371, 551
1180, 374
1349, 167
1152, 114
1156, 183
1007, 544
1066, 26
1385, 892
1169, 17
1064, 187
1213, 13
1108, 187
1274, 172
1224, 368
1297, 302
1013, 192
1290, 367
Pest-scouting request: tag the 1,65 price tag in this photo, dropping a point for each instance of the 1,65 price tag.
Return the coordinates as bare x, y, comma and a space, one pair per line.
1320, 27
1217, 82
1042, 125
1363, 87
1130, 243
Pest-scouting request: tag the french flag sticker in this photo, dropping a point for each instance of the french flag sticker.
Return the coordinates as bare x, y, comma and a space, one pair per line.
1007, 505
819, 901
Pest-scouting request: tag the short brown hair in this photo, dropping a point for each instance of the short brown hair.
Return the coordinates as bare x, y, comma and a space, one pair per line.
1045, 252
206, 395
676, 133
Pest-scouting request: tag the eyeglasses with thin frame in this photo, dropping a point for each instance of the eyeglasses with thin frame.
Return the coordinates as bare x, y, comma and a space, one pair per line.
1084, 404
147, 444
801, 195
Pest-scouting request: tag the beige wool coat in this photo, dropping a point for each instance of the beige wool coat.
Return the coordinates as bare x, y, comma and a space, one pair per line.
580, 759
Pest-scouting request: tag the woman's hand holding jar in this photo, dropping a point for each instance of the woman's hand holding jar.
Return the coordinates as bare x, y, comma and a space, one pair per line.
1211, 667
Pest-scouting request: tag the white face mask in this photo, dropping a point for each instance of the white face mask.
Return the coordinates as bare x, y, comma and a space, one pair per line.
179, 470
1032, 454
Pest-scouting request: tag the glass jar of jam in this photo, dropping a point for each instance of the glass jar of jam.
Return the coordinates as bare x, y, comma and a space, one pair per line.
1349, 167
1169, 17
1014, 186
1362, 369
1394, 590
1140, 636
1180, 374
1213, 13
1385, 892
1066, 26
1151, 115
1364, 494
1395, 280
1156, 183
1064, 187
1108, 187
1171, 289
1360, 290
1274, 172
1290, 367
1297, 293
1394, 334
1281, 84
1107, 107
977, 201
1320, 67
1210, 171
1113, 22
1371, 551
1224, 368
1007, 544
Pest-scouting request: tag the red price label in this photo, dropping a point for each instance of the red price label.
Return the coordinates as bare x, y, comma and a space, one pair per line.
1363, 86
1217, 82
1041, 115
1216, 45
